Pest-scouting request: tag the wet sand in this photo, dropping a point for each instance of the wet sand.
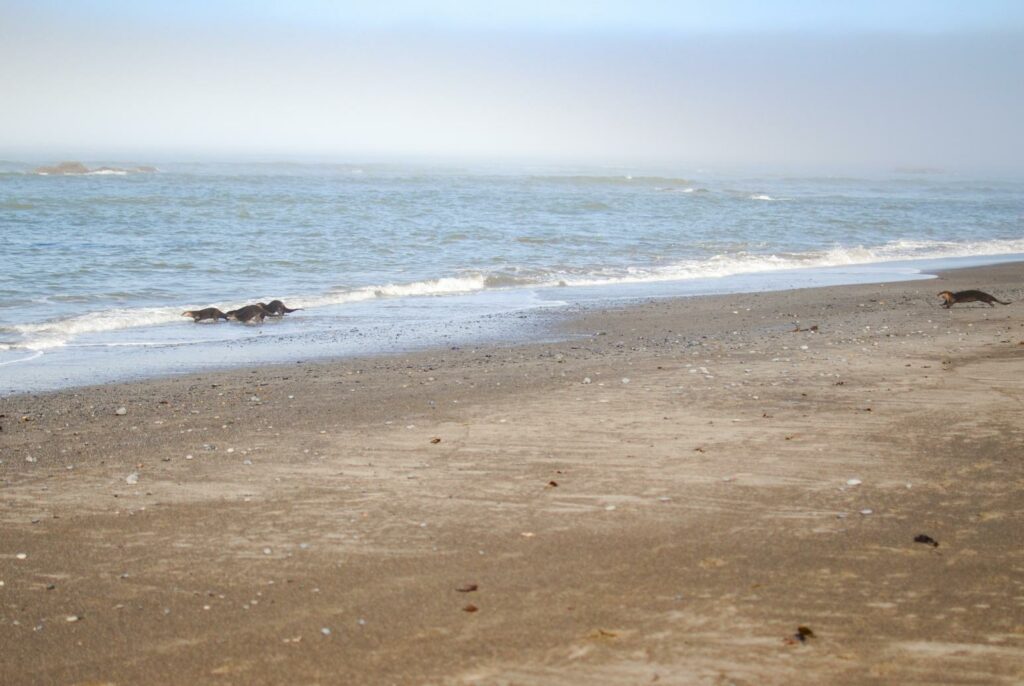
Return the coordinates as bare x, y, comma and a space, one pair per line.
665, 497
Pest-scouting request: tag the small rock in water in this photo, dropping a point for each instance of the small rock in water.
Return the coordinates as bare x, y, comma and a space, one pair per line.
132, 478
853, 482
325, 631
30, 459
246, 461
267, 551
72, 618
21, 556
121, 411
625, 379
866, 511
586, 379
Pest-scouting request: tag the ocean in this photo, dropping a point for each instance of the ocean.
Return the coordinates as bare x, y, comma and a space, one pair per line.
387, 257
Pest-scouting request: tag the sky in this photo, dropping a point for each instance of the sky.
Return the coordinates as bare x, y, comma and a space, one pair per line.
791, 83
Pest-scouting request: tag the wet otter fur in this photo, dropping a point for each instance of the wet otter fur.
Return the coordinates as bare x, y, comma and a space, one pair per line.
951, 298
249, 313
277, 308
211, 313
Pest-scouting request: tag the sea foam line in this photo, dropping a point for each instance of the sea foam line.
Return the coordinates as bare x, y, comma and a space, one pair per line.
57, 333
752, 263
31, 357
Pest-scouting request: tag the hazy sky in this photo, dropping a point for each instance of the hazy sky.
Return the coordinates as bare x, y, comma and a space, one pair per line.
742, 82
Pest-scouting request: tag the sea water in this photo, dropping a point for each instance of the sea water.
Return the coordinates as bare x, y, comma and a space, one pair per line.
97, 268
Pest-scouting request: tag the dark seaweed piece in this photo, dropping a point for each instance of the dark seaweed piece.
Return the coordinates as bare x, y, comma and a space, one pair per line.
926, 539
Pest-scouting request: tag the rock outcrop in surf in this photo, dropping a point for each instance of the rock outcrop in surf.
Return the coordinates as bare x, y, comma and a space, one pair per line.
76, 168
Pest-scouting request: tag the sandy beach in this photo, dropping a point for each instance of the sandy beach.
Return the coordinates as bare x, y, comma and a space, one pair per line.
665, 496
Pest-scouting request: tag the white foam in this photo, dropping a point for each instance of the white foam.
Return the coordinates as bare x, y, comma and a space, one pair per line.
748, 263
443, 286
23, 359
59, 332
762, 196
56, 333
128, 344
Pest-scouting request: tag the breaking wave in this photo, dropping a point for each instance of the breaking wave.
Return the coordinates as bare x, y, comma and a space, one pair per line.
751, 263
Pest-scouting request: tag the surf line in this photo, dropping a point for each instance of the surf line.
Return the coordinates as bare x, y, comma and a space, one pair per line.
31, 357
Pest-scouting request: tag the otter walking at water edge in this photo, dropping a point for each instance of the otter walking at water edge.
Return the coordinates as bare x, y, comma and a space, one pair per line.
968, 297
211, 313
278, 308
247, 314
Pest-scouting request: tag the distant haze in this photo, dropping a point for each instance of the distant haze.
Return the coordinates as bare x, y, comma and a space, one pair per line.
855, 87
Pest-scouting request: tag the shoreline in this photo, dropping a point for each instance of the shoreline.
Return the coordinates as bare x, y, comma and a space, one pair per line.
412, 325
665, 494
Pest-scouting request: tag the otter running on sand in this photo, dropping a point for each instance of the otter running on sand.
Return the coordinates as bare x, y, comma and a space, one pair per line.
951, 298
277, 308
207, 313
249, 313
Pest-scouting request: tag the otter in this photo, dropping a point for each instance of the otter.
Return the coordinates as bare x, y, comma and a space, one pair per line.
204, 314
276, 308
968, 297
247, 314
